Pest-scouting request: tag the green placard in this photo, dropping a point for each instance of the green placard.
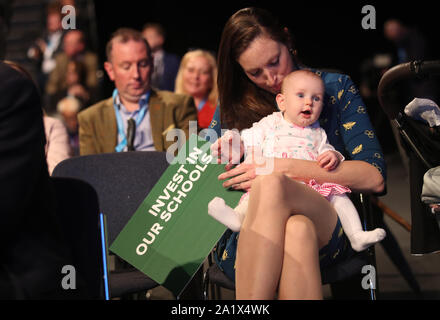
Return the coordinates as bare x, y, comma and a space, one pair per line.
170, 234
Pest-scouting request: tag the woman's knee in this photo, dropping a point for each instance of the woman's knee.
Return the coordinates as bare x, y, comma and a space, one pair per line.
266, 196
301, 229
272, 184
270, 197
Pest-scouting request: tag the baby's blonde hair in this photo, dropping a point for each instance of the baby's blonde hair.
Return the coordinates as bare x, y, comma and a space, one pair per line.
297, 73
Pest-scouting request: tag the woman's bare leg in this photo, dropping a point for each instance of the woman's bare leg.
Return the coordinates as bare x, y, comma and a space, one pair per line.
263, 245
300, 275
257, 278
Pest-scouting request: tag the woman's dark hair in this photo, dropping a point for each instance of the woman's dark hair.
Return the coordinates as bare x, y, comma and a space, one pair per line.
242, 102
81, 70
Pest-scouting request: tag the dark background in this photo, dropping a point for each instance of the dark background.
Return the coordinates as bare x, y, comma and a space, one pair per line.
328, 34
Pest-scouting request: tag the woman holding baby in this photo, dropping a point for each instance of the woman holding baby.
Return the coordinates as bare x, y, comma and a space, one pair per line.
290, 231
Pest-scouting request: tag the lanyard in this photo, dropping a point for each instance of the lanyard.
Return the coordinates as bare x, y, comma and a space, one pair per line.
201, 104
140, 116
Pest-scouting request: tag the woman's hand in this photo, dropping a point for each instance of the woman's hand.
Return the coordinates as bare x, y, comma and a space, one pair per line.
241, 177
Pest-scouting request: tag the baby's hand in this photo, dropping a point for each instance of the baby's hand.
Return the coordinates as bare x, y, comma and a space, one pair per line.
328, 160
228, 149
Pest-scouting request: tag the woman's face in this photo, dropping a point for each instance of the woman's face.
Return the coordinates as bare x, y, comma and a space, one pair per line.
72, 76
197, 77
266, 62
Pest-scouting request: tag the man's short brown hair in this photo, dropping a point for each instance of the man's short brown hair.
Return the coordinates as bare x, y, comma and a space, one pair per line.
123, 35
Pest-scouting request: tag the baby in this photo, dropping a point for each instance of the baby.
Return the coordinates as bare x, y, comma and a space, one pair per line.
295, 133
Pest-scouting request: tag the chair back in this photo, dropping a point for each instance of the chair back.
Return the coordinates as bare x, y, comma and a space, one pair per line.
121, 180
405, 71
78, 212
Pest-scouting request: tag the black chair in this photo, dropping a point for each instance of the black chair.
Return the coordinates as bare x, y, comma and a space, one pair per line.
78, 211
122, 181
421, 143
348, 271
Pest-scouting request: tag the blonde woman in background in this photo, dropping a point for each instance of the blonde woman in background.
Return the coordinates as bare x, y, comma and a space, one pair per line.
197, 77
57, 145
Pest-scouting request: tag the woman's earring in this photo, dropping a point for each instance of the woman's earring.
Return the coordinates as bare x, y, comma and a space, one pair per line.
293, 52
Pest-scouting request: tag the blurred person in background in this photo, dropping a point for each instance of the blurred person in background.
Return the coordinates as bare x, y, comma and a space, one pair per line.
45, 49
68, 109
74, 85
57, 147
197, 77
137, 116
166, 64
74, 49
410, 45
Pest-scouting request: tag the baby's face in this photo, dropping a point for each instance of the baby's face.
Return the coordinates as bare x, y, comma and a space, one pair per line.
302, 100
